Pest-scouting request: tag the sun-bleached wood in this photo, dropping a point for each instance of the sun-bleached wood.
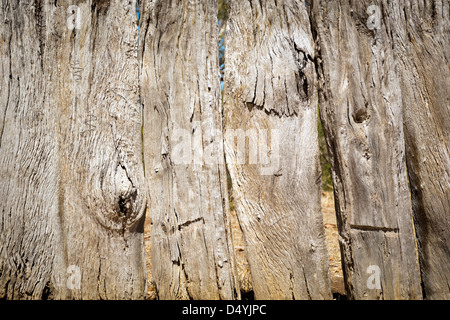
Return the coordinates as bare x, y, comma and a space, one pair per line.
192, 252
361, 110
72, 185
421, 38
270, 95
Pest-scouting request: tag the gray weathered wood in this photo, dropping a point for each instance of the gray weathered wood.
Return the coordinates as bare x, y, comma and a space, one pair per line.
361, 109
421, 38
271, 96
192, 254
72, 185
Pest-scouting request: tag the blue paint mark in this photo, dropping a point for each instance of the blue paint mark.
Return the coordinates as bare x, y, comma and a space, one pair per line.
137, 15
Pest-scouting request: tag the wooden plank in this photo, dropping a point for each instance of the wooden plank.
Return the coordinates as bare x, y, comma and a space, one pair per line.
361, 109
73, 191
421, 37
192, 253
271, 101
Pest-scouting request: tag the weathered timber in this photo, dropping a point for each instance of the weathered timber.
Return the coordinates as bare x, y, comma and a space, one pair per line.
361, 111
72, 185
421, 38
271, 109
192, 253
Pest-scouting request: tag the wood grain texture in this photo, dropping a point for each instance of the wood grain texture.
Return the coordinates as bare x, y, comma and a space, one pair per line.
361, 109
421, 38
271, 97
73, 190
192, 253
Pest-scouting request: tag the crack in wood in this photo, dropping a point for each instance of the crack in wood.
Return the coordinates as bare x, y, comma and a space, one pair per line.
191, 223
373, 228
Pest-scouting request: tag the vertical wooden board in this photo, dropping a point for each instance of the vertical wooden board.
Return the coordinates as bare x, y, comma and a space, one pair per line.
361, 109
71, 156
192, 254
421, 37
105, 183
28, 185
380, 281
272, 152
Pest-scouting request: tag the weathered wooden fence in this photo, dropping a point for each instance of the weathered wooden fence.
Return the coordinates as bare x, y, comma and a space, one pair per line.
93, 129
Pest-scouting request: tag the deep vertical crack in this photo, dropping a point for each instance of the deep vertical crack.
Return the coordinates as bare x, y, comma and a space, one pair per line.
9, 84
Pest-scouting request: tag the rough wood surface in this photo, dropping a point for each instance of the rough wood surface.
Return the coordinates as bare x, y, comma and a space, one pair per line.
361, 109
192, 255
270, 96
72, 183
421, 38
